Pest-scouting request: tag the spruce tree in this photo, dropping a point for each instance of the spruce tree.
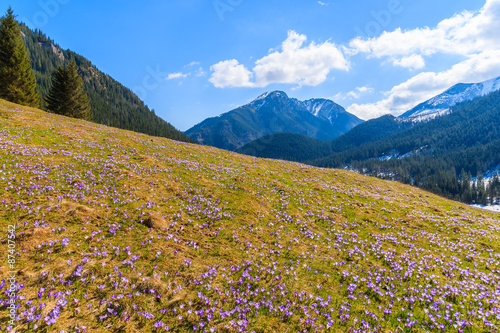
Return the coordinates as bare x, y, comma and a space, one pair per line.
17, 82
66, 95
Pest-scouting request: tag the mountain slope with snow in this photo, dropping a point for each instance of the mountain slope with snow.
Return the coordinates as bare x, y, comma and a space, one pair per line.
461, 92
443, 155
274, 112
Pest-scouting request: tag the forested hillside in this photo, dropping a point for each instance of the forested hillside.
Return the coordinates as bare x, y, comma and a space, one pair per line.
287, 146
443, 155
299, 148
111, 103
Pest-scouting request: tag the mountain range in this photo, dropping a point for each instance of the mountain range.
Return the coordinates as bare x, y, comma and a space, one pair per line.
299, 148
284, 145
442, 155
274, 112
437, 154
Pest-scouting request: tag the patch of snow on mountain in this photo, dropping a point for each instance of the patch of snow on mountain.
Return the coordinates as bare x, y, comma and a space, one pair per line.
488, 176
332, 117
318, 108
426, 116
264, 95
493, 208
490, 86
389, 156
398, 155
263, 103
492, 172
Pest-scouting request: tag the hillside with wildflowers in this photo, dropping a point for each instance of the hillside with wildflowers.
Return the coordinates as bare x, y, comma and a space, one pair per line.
117, 231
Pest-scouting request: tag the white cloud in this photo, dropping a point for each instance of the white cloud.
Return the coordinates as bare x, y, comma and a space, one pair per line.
323, 3
463, 34
366, 111
173, 76
230, 73
354, 94
473, 35
193, 63
200, 72
364, 89
426, 85
415, 61
294, 64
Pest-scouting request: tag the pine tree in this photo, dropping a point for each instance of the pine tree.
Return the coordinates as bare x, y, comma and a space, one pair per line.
17, 81
66, 95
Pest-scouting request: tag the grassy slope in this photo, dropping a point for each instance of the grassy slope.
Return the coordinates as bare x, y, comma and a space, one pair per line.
248, 243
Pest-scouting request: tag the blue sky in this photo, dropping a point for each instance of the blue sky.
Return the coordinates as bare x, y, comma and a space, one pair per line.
194, 59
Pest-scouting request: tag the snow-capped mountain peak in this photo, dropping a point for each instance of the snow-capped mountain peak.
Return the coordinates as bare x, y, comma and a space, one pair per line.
274, 112
263, 96
319, 107
458, 93
271, 94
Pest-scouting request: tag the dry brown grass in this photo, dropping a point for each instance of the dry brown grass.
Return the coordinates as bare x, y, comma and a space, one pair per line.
155, 221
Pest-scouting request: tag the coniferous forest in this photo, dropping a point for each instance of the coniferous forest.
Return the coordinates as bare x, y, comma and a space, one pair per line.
447, 156
111, 103
66, 95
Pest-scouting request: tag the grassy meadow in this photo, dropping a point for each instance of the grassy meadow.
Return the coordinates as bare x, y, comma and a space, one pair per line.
117, 231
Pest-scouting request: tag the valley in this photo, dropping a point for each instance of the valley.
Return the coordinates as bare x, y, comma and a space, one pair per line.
353, 185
